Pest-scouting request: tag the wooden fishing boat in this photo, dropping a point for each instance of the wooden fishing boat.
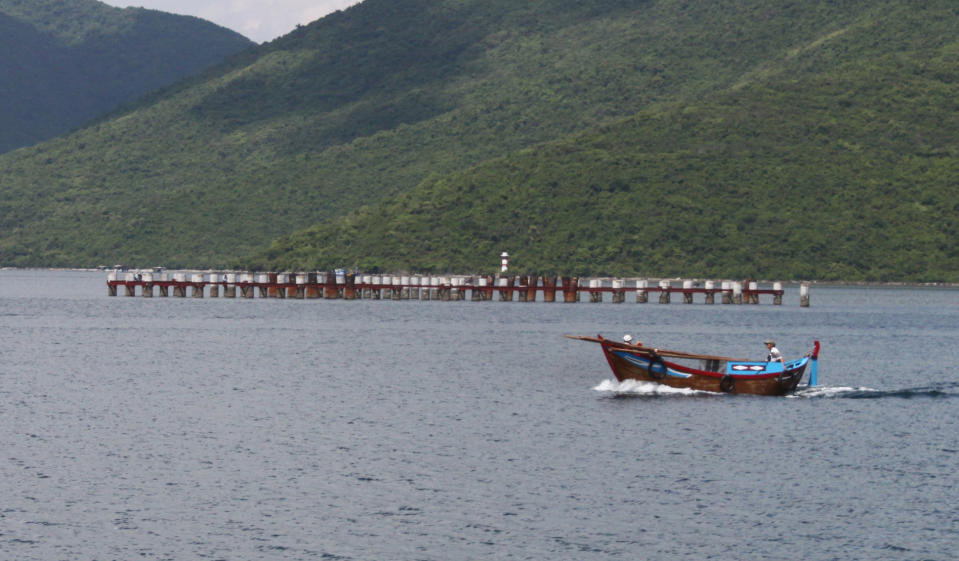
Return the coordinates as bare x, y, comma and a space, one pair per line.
705, 372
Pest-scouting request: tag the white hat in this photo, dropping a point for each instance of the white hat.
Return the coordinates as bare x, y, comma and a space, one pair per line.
628, 338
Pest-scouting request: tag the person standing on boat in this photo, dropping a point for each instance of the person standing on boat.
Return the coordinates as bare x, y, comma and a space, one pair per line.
774, 354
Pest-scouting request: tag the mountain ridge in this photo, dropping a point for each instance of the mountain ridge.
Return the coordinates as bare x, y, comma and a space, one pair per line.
337, 124
67, 62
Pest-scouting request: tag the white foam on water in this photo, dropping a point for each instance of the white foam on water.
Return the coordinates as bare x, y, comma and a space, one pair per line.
829, 391
636, 387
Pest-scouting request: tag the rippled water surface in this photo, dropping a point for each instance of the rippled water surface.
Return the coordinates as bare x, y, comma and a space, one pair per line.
172, 428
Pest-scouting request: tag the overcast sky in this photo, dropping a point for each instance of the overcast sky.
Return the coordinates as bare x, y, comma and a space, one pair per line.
259, 20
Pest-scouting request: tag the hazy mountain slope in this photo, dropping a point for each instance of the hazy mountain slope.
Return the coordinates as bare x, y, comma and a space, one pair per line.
838, 160
64, 62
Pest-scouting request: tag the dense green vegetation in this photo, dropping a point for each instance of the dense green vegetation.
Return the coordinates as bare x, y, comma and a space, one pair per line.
812, 140
65, 62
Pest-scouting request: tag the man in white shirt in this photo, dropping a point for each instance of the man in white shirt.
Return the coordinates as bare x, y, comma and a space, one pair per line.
774, 354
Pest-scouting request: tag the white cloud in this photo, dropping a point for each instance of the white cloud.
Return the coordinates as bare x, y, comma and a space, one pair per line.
260, 20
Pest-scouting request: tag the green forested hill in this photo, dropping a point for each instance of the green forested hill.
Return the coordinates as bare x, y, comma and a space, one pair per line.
742, 138
837, 160
64, 62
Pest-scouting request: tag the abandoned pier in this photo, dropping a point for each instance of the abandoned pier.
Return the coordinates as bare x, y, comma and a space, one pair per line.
476, 288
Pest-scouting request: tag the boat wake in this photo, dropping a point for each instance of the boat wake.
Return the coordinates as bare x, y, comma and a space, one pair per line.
631, 388
637, 388
944, 390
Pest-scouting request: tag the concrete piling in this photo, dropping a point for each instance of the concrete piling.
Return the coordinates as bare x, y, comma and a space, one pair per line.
312, 288
162, 284
687, 295
229, 289
479, 293
179, 285
595, 295
279, 289
549, 288
570, 289
522, 294
642, 291
753, 294
619, 292
147, 288
197, 285
214, 284
131, 288
349, 287
504, 285
664, 292
111, 283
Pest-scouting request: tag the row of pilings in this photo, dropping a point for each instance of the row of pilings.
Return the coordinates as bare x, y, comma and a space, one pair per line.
477, 288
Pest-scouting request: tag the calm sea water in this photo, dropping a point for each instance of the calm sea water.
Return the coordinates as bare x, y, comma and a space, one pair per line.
241, 430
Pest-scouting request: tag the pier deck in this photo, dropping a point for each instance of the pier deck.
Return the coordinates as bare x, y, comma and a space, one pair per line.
508, 288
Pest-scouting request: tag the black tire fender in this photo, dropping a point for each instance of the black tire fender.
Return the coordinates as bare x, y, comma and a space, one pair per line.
657, 368
727, 384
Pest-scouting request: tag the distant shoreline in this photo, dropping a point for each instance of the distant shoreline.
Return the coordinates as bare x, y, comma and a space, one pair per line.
864, 284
